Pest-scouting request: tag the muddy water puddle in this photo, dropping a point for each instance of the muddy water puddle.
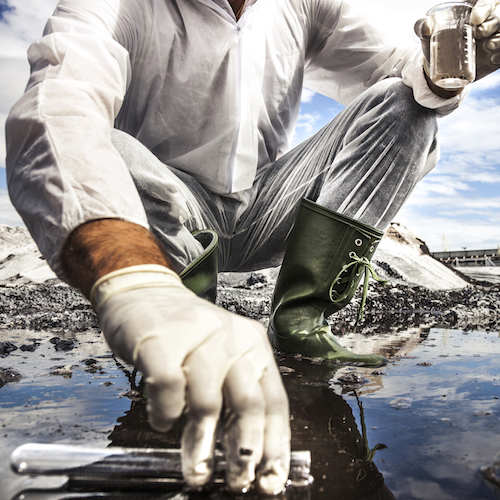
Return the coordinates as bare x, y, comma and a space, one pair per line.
417, 428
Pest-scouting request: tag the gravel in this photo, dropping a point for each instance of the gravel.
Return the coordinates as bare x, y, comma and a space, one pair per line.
60, 309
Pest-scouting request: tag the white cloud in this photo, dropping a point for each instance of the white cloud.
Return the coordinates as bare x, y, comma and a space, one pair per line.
453, 202
307, 124
487, 83
470, 232
473, 128
8, 214
23, 25
307, 121
307, 95
445, 206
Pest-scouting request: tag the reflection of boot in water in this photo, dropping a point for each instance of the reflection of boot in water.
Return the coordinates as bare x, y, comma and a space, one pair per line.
323, 423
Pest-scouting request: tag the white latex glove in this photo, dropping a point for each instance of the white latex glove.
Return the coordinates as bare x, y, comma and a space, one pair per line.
486, 18
196, 356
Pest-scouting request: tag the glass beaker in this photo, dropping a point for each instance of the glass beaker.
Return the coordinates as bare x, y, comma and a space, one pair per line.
452, 63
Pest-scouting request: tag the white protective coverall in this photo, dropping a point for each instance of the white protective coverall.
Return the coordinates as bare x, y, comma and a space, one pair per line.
210, 96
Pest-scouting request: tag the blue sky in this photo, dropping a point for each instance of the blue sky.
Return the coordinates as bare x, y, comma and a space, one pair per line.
459, 202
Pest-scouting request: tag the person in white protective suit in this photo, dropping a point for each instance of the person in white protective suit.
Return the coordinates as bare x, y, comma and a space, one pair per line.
154, 137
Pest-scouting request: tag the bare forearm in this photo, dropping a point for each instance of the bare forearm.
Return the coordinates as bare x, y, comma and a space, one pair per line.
102, 246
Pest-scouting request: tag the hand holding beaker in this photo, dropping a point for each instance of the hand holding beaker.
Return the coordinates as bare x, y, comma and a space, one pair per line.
461, 42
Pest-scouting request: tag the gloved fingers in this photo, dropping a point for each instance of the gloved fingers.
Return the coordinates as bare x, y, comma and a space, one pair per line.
205, 369
484, 15
492, 44
244, 423
198, 443
491, 25
423, 29
495, 58
273, 472
165, 384
488, 55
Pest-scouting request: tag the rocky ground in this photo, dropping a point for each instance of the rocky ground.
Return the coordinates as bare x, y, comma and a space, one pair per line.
419, 291
60, 309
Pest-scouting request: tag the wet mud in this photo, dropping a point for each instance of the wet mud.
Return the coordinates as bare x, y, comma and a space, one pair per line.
59, 308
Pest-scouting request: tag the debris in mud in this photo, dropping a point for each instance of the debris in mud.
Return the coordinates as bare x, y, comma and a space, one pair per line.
9, 375
66, 371
401, 403
30, 347
62, 344
421, 290
390, 308
391, 273
93, 366
351, 379
133, 395
45, 307
483, 413
256, 280
6, 348
60, 309
492, 472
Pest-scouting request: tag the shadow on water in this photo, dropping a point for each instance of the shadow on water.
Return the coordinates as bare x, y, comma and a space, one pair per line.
322, 422
418, 428
321, 419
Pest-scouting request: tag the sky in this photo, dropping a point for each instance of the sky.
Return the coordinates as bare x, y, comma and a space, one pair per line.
456, 206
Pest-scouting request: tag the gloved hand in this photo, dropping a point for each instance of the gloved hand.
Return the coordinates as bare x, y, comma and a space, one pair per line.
486, 18
199, 358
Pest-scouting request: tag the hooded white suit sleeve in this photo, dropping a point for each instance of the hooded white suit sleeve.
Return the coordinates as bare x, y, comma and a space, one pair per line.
61, 165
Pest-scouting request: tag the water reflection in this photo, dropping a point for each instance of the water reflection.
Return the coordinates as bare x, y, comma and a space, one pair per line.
322, 422
437, 440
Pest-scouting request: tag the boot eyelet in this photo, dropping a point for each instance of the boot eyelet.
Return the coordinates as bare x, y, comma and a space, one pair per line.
372, 248
352, 255
358, 242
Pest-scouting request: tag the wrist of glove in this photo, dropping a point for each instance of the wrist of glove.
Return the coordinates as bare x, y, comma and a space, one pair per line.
486, 17
200, 359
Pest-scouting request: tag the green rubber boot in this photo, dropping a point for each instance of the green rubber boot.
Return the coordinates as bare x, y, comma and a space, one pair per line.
200, 276
326, 256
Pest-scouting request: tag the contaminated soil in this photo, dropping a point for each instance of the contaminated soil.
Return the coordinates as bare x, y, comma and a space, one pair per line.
420, 427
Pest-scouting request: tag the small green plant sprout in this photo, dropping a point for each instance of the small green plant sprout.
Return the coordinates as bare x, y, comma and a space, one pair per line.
370, 452
364, 452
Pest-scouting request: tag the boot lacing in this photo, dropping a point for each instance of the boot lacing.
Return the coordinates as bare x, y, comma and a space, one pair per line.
361, 265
